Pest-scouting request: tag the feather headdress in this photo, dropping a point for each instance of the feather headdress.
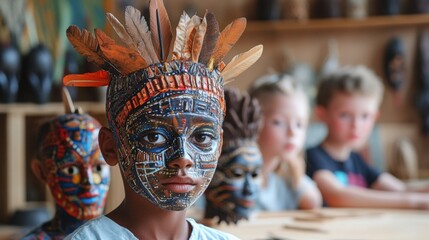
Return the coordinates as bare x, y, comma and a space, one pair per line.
197, 40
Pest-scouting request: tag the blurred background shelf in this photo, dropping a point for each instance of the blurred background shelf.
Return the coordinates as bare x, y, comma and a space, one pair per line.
338, 23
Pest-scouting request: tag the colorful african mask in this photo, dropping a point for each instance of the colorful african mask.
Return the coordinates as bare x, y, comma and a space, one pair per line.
234, 189
76, 172
165, 110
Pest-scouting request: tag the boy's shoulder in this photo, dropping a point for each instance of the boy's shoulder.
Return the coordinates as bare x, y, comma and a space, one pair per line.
101, 228
202, 232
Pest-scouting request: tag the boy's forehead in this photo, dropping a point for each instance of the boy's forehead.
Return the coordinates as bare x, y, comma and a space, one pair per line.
344, 99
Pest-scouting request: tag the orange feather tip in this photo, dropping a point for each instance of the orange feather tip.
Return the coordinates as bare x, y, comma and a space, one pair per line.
94, 79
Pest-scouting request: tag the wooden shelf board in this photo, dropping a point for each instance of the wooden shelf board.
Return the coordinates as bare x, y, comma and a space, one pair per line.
339, 23
49, 108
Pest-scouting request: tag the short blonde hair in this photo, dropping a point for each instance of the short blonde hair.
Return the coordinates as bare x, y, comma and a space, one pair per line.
275, 84
349, 80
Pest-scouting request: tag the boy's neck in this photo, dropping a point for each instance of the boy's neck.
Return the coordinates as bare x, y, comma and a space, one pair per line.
146, 221
337, 151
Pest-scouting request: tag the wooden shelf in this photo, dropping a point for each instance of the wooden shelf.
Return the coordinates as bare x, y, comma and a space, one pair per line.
338, 23
29, 109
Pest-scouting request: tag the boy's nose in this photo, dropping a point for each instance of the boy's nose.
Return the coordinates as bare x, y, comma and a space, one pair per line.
183, 162
290, 131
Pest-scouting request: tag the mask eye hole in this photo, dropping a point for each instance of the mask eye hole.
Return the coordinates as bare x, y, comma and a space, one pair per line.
70, 170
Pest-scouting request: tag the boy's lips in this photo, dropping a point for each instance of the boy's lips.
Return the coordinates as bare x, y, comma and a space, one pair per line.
179, 184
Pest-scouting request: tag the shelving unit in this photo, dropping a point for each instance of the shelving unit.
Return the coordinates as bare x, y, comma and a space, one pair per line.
338, 23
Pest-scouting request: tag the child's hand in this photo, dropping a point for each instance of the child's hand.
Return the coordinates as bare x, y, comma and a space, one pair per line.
419, 200
294, 168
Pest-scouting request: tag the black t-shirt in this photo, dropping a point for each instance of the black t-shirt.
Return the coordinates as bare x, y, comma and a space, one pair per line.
352, 172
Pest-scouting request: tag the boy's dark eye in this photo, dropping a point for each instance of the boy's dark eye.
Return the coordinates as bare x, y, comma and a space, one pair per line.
154, 138
202, 138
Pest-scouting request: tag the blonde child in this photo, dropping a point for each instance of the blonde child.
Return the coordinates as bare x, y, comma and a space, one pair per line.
285, 112
347, 102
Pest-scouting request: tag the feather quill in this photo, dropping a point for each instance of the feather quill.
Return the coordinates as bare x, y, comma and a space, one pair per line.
120, 31
137, 28
126, 60
165, 27
67, 101
179, 42
198, 39
191, 30
241, 62
228, 37
85, 43
210, 38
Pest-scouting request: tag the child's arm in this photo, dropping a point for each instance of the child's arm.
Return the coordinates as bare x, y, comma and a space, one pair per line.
337, 195
311, 197
387, 182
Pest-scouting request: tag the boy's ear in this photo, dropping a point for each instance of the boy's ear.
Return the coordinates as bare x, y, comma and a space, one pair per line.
107, 146
37, 168
320, 112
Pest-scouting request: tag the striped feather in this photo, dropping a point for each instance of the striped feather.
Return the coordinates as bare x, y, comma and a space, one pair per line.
137, 28
165, 27
85, 43
179, 43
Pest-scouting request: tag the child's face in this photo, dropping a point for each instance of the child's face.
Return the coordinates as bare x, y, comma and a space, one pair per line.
77, 174
284, 127
350, 119
170, 157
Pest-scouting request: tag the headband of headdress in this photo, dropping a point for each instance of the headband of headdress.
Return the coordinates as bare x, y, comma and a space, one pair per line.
195, 62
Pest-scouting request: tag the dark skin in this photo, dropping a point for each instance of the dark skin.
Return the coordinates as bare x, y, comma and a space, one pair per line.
141, 217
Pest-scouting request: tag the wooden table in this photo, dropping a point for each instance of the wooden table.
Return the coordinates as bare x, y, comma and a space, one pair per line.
335, 224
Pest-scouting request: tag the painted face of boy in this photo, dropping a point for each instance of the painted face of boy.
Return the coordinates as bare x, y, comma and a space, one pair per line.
284, 128
350, 119
170, 158
78, 176
236, 183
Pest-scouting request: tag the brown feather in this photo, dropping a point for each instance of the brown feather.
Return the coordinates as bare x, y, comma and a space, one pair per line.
210, 38
198, 39
241, 62
191, 30
228, 37
165, 27
179, 43
85, 43
124, 59
120, 30
137, 27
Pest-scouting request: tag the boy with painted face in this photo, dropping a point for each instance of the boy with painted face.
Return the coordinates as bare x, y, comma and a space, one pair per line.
234, 189
69, 161
165, 114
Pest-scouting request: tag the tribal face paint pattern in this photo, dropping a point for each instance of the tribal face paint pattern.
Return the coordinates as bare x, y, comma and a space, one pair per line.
167, 131
235, 186
77, 174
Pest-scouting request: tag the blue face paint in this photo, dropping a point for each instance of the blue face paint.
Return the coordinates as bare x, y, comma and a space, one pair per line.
77, 173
